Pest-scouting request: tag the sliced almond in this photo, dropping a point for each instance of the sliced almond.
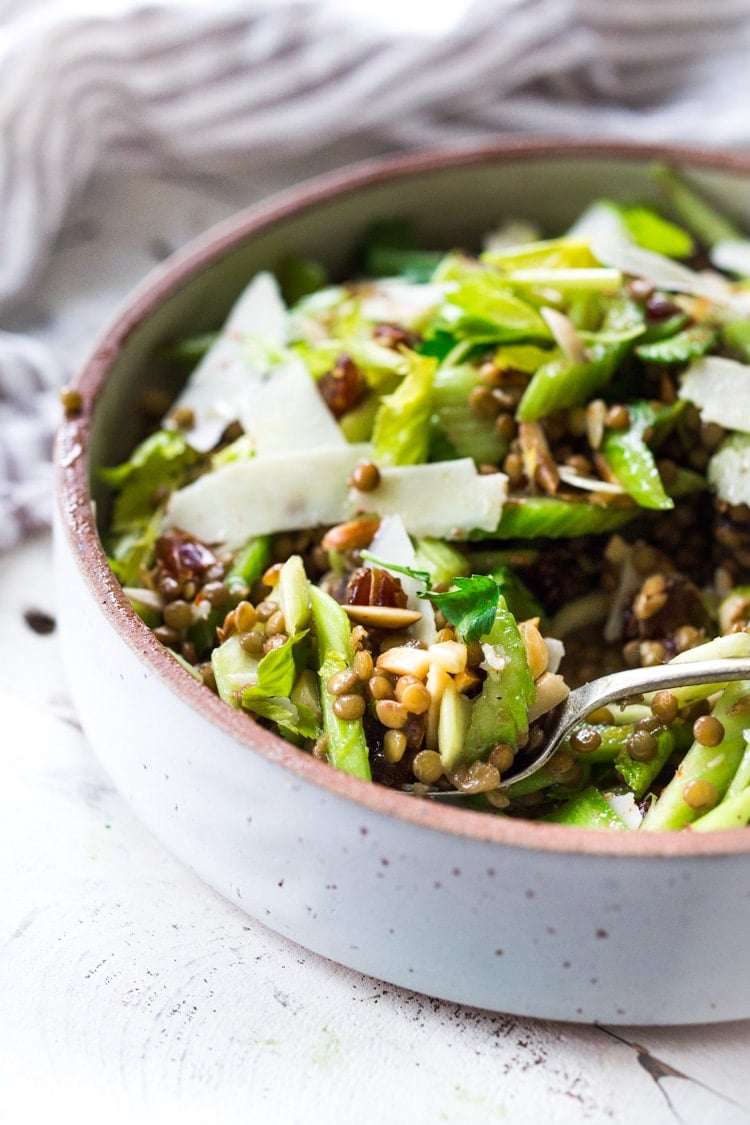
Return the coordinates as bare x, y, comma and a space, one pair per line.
467, 680
404, 660
536, 650
551, 689
382, 616
437, 679
450, 655
350, 536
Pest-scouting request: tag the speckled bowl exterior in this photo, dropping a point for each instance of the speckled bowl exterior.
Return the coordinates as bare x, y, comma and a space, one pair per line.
509, 915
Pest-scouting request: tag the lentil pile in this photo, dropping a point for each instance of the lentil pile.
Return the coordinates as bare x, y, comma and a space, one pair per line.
396, 519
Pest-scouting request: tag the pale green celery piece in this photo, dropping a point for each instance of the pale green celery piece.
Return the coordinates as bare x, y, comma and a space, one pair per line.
731, 813
584, 310
736, 335
733, 646
549, 517
131, 550
680, 348
580, 613
356, 425
741, 779
440, 560
561, 382
468, 434
305, 692
593, 280
551, 254
704, 221
250, 561
187, 665
653, 232
714, 764
159, 462
544, 778
401, 432
347, 746
500, 712
322, 300
521, 357
238, 450
482, 306
589, 809
639, 776
294, 594
382, 367
612, 742
234, 669
453, 723
632, 461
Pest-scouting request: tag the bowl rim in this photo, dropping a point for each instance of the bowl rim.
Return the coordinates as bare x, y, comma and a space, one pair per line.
77, 523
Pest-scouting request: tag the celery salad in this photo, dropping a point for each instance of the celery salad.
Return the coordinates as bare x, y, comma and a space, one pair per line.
395, 519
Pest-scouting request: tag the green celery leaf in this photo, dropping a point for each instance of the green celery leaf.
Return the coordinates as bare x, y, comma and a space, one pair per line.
293, 719
468, 434
159, 462
482, 306
401, 431
470, 605
420, 575
134, 549
277, 672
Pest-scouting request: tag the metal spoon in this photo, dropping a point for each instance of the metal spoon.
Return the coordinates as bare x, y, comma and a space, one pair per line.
620, 685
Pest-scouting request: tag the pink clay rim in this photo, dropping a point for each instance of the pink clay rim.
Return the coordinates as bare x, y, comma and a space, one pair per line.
73, 499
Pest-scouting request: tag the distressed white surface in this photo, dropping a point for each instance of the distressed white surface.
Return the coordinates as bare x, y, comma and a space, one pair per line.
129, 991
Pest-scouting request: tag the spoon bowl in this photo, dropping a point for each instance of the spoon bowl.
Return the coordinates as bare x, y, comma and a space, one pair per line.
582, 701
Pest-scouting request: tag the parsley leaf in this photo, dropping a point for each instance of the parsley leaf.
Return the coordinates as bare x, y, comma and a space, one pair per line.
470, 605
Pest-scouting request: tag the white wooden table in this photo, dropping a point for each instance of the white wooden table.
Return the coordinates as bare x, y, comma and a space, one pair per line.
129, 991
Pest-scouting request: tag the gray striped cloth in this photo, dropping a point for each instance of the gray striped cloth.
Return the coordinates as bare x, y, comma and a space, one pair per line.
215, 84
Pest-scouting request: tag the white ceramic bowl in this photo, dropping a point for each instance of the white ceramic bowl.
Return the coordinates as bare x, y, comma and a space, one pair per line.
527, 918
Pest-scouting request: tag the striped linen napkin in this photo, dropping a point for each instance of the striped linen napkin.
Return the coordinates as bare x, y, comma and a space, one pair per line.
192, 86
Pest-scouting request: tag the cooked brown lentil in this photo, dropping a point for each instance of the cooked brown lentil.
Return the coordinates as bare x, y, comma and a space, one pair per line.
391, 713
700, 795
585, 740
341, 683
642, 745
366, 476
665, 706
427, 767
380, 686
394, 745
708, 730
363, 665
348, 706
